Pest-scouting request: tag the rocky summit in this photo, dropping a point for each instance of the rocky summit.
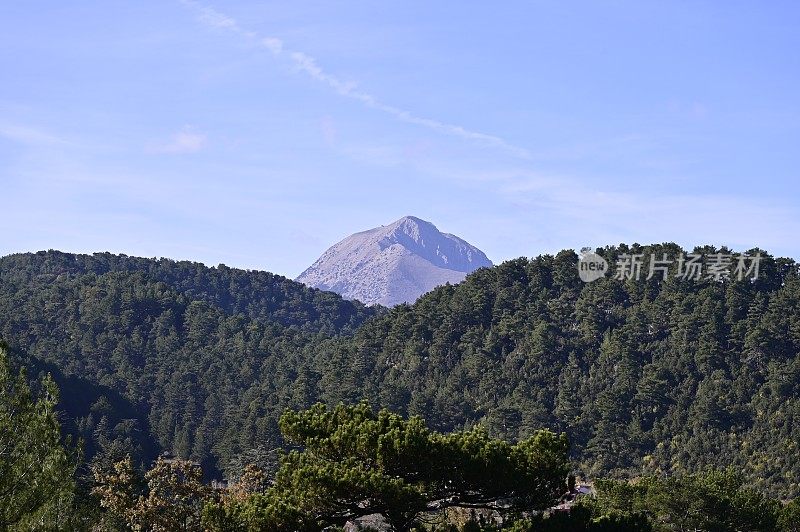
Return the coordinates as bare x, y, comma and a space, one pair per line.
395, 263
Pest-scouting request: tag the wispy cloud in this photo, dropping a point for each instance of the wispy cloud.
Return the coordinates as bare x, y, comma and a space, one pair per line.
598, 217
184, 141
308, 65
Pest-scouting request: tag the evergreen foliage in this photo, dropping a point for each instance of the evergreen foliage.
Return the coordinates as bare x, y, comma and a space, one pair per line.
36, 471
645, 377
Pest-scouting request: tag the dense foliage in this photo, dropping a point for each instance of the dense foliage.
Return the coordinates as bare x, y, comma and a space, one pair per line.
356, 463
645, 376
36, 471
716, 500
400, 475
157, 353
169, 498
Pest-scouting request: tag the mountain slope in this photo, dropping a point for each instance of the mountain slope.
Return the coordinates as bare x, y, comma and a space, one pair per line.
644, 376
257, 294
394, 264
196, 360
648, 376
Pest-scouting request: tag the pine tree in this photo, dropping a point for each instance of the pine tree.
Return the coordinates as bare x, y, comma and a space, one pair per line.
35, 469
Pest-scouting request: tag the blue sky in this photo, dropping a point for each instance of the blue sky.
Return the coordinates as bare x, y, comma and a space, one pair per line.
257, 134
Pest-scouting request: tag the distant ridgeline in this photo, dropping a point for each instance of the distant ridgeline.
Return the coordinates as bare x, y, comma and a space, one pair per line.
649, 375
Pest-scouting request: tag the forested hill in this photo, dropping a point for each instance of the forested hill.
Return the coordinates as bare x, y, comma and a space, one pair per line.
201, 360
644, 375
256, 294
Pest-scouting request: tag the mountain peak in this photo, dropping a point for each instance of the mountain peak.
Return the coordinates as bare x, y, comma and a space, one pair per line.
394, 263
411, 221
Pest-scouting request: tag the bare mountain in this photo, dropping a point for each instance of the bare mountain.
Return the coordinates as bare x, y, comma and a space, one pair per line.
395, 263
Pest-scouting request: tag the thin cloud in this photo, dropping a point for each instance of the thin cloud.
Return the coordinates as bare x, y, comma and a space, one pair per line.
602, 217
182, 142
307, 64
